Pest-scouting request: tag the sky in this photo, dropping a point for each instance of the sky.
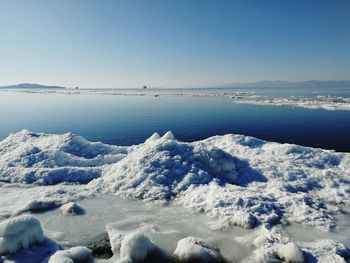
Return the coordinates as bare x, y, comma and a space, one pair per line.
167, 43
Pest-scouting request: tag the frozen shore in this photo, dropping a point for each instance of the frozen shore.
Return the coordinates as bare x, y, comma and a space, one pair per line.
327, 102
263, 193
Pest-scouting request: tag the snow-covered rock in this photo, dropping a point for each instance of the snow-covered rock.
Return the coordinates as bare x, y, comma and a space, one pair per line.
192, 249
19, 233
72, 255
71, 209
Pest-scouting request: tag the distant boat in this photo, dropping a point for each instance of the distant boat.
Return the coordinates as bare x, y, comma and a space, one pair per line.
144, 87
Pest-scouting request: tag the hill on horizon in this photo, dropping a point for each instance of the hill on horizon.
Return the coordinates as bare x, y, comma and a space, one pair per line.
30, 86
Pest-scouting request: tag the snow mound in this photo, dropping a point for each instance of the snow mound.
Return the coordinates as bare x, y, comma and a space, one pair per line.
27, 157
192, 249
136, 246
72, 255
19, 233
71, 209
160, 168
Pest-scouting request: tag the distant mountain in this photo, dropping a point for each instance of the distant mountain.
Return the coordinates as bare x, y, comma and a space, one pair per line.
30, 86
288, 84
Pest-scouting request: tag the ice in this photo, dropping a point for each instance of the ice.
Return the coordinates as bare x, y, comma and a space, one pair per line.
72, 255
234, 179
27, 157
72, 209
136, 246
319, 102
325, 102
291, 252
162, 168
192, 249
20, 233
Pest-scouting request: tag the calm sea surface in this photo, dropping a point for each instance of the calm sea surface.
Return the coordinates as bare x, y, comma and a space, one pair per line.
126, 120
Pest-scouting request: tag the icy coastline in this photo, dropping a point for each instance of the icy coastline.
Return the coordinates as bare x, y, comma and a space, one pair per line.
325, 102
235, 180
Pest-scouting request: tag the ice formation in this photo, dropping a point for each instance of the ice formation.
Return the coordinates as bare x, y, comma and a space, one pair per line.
18, 233
161, 168
237, 180
71, 209
27, 157
326, 102
319, 102
72, 255
136, 246
192, 249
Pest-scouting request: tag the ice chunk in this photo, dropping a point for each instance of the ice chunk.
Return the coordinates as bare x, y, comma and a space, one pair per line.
136, 246
155, 136
115, 239
72, 255
124, 260
291, 253
168, 136
71, 209
192, 249
20, 232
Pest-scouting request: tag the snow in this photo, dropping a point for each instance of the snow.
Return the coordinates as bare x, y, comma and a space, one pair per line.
236, 180
20, 232
192, 249
72, 255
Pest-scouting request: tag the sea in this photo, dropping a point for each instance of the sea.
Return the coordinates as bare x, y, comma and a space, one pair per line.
101, 115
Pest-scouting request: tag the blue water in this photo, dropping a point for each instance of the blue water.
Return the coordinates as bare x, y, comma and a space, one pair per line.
126, 120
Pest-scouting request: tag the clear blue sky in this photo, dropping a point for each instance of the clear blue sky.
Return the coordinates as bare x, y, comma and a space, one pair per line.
168, 43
